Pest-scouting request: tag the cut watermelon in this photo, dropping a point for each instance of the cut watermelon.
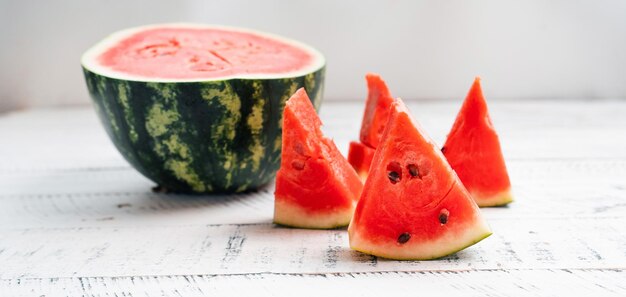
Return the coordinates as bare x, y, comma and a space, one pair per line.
473, 151
198, 108
360, 157
413, 205
315, 186
375, 117
376, 114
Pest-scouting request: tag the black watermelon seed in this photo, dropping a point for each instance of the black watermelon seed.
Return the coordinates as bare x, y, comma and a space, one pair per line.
394, 172
443, 216
443, 149
394, 177
404, 237
413, 170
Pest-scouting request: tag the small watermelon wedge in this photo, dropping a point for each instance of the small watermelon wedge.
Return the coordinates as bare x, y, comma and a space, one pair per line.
315, 186
379, 101
375, 117
413, 206
360, 157
473, 150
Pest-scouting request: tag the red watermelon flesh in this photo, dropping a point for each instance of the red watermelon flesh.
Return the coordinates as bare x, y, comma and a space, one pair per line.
375, 117
379, 101
473, 150
360, 157
196, 52
315, 186
413, 205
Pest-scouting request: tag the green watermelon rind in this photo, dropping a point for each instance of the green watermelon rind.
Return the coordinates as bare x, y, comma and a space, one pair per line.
204, 137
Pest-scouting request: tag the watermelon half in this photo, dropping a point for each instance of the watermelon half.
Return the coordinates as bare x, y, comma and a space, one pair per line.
198, 108
375, 116
315, 185
413, 205
473, 150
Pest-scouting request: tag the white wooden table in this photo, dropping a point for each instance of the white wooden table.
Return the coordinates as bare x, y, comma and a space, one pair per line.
75, 219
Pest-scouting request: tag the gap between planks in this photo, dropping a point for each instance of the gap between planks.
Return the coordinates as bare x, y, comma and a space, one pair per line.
334, 273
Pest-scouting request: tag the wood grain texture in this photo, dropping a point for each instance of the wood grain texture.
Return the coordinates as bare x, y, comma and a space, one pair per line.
72, 139
500, 283
257, 248
75, 219
121, 197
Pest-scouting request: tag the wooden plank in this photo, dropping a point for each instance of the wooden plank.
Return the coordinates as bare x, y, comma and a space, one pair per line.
535, 173
55, 139
548, 189
238, 249
122, 199
560, 282
67, 139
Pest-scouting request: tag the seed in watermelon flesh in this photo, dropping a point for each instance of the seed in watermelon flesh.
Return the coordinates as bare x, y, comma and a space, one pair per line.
413, 170
443, 216
315, 186
375, 117
404, 238
394, 172
415, 218
473, 150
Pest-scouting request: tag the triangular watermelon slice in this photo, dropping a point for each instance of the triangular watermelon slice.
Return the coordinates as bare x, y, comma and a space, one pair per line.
376, 114
375, 117
413, 205
360, 157
315, 186
473, 151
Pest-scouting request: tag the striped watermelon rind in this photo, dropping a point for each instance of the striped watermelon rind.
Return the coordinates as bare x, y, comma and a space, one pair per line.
211, 136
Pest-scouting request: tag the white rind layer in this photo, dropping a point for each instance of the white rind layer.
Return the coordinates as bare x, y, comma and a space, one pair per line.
420, 250
293, 215
90, 62
503, 198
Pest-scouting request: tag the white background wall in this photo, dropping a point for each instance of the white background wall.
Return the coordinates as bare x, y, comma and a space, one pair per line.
425, 49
